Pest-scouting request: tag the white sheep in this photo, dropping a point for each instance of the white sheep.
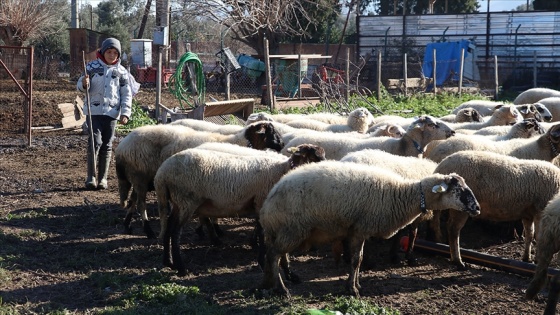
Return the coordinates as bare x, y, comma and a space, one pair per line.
358, 120
387, 130
525, 129
141, 152
467, 114
507, 188
332, 201
548, 244
202, 125
534, 95
486, 108
545, 147
503, 115
407, 167
412, 143
217, 184
483, 107
329, 118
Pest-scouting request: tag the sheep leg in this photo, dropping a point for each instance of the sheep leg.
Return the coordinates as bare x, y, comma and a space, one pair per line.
357, 250
528, 235
396, 246
174, 231
272, 278
544, 257
141, 205
552, 300
289, 274
130, 208
124, 187
211, 227
455, 223
412, 233
171, 226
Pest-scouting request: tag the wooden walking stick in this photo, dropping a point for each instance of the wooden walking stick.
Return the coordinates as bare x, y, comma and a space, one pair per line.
90, 126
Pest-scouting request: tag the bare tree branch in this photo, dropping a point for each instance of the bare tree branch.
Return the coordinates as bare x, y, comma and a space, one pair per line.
25, 20
250, 21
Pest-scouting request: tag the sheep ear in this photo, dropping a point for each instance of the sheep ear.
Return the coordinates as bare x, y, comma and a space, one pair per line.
523, 110
439, 188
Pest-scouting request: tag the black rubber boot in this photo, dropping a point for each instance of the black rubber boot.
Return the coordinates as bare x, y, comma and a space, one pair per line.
91, 181
103, 167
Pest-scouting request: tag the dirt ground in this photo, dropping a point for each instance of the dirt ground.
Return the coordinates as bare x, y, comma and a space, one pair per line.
60, 243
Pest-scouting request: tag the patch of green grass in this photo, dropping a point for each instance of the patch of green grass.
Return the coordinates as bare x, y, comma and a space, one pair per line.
411, 105
31, 214
164, 298
139, 117
351, 305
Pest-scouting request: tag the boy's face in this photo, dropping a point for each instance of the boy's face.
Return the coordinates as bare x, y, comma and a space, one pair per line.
111, 55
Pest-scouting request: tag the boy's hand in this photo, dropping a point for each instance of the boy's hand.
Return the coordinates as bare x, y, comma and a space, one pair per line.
124, 120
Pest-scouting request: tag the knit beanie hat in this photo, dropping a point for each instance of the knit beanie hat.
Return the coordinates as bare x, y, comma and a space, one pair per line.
110, 43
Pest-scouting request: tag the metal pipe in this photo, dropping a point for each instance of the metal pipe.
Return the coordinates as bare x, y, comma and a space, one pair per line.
470, 256
385, 48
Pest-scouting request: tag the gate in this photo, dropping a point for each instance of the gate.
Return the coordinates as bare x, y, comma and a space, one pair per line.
16, 79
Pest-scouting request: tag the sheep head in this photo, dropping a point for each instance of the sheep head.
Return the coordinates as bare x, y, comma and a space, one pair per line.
306, 153
532, 126
530, 111
426, 129
553, 136
452, 192
543, 111
468, 114
262, 135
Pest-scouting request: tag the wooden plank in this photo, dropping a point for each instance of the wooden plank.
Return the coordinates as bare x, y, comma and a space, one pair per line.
66, 107
72, 115
71, 121
308, 56
241, 107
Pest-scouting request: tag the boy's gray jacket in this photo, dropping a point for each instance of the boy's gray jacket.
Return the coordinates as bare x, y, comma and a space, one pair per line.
109, 91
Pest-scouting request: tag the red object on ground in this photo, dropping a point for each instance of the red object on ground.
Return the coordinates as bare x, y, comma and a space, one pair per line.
404, 243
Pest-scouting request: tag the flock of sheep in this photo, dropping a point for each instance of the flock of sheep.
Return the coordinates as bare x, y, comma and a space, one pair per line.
343, 179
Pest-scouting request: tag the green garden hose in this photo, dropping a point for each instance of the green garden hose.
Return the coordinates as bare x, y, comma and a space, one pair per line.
183, 89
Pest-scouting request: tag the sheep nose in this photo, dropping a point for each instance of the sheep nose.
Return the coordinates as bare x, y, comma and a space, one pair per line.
548, 118
475, 211
450, 133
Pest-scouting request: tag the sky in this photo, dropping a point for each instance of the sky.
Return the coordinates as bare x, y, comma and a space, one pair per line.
500, 5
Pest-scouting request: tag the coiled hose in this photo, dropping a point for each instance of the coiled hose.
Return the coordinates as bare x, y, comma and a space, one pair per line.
183, 89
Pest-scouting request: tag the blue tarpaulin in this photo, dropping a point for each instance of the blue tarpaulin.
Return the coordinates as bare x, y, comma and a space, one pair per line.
448, 58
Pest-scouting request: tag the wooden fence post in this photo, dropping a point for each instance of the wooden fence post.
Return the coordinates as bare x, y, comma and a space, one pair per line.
268, 76
460, 88
379, 75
